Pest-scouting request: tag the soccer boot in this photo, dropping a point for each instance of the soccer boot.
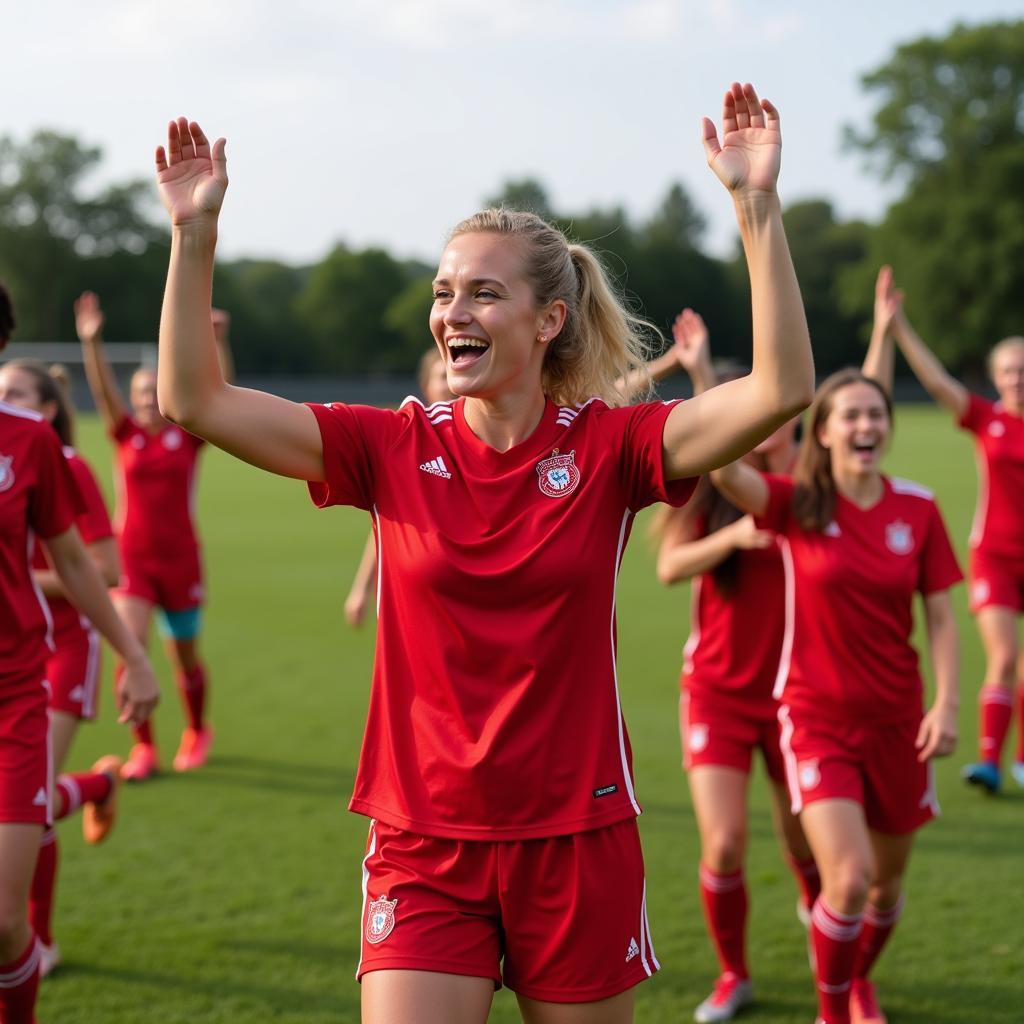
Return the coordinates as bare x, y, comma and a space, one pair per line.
863, 1004
730, 995
98, 817
142, 763
984, 775
194, 749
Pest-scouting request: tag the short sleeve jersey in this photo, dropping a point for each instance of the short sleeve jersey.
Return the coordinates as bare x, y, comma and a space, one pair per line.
38, 499
998, 528
852, 587
93, 524
494, 711
733, 653
156, 490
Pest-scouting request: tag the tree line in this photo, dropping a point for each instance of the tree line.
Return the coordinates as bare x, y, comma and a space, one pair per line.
948, 125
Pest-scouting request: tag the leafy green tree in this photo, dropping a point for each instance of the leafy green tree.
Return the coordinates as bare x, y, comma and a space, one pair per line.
523, 194
408, 316
950, 123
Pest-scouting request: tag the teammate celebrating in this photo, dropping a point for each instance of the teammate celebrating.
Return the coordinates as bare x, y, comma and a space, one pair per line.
500, 520
997, 537
39, 500
858, 546
160, 554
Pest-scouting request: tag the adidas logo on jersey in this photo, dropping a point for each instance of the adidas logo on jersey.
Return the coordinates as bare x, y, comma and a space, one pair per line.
634, 950
437, 468
40, 798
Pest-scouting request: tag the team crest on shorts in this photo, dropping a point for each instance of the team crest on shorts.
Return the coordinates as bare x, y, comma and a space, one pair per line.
6, 472
697, 737
807, 774
899, 538
558, 476
380, 919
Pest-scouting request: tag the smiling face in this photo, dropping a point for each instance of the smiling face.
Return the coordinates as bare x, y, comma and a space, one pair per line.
18, 388
485, 319
1007, 367
856, 430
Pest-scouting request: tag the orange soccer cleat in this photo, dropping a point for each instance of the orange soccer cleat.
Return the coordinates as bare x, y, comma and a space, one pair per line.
194, 749
98, 817
142, 763
863, 1005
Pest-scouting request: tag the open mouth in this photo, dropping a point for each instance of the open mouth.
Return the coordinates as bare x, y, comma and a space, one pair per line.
464, 351
865, 447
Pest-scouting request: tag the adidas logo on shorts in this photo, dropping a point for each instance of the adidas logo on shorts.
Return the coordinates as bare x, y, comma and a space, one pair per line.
436, 467
634, 950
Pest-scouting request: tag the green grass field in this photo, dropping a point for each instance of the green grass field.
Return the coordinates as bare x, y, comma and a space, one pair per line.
233, 894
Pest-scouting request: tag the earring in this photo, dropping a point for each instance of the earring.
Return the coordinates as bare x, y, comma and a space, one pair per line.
542, 337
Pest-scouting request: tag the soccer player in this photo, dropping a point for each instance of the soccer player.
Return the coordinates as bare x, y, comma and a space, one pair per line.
858, 547
39, 500
741, 630
161, 566
73, 669
495, 766
997, 538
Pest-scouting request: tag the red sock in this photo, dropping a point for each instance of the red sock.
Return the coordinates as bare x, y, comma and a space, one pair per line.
878, 926
995, 713
19, 982
807, 878
835, 938
40, 900
73, 790
192, 687
1020, 721
725, 909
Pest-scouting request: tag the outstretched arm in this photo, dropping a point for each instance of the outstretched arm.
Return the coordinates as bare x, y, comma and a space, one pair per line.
881, 355
264, 430
102, 382
937, 734
719, 425
937, 381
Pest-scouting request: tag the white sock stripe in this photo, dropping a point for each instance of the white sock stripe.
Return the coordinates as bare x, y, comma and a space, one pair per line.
72, 793
22, 974
720, 883
834, 990
49, 838
996, 695
833, 929
874, 916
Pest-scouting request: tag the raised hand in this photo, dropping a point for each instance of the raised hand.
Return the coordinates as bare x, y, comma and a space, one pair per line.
748, 157
690, 336
888, 300
747, 536
191, 175
88, 317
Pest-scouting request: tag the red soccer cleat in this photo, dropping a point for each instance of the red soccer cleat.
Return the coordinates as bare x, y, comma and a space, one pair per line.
98, 817
730, 995
142, 763
194, 749
863, 1005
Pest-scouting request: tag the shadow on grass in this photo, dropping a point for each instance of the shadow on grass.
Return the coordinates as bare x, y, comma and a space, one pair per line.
276, 776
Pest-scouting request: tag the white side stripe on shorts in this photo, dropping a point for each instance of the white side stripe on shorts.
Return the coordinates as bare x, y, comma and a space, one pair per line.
371, 849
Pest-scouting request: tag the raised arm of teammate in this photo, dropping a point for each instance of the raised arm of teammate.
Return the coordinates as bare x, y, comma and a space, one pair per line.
102, 382
724, 422
936, 379
878, 363
692, 350
262, 429
938, 732
681, 557
138, 693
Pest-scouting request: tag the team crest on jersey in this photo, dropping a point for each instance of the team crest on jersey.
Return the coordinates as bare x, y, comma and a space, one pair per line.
697, 737
981, 590
138, 442
996, 428
899, 538
558, 476
6, 472
172, 439
380, 919
808, 774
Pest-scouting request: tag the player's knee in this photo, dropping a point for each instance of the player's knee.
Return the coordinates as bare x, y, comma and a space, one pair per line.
723, 850
885, 892
1002, 669
847, 889
13, 929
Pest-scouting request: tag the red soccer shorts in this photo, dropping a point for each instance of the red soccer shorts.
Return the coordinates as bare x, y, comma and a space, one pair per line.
173, 584
873, 765
568, 914
727, 737
26, 771
73, 672
996, 582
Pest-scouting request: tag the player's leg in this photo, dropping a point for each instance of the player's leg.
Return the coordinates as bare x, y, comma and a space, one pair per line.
137, 613
19, 951
1018, 763
424, 997
998, 628
881, 914
181, 631
614, 1010
838, 835
720, 804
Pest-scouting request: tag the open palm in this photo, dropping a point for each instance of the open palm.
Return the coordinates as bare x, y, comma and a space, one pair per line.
748, 157
191, 175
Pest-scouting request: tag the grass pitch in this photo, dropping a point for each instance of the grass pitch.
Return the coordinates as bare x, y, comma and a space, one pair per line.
233, 894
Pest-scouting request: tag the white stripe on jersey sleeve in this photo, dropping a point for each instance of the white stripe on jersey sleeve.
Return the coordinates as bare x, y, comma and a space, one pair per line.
901, 486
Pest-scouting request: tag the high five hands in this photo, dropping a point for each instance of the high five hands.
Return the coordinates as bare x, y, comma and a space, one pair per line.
191, 175
749, 154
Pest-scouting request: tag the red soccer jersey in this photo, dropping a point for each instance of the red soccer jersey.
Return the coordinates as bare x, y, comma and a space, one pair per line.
852, 587
156, 490
93, 524
494, 711
999, 446
38, 498
734, 649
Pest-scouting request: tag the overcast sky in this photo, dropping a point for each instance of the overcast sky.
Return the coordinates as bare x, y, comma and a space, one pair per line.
386, 121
